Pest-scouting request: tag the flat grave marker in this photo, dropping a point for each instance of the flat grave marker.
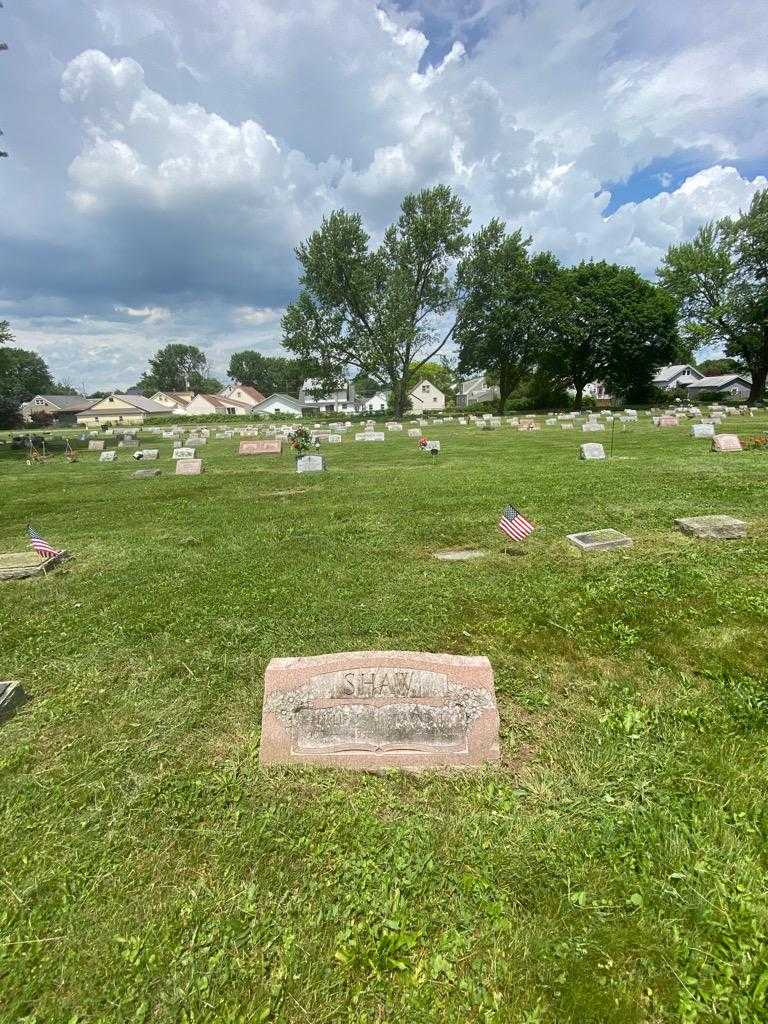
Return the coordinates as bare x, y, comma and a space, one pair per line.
713, 527
599, 540
260, 447
370, 435
726, 443
143, 474
108, 456
379, 709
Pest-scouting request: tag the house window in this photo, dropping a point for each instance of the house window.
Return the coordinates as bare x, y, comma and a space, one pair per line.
39, 401
434, 398
111, 398
424, 388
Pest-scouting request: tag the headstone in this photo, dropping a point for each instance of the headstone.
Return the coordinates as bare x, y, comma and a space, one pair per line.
713, 527
592, 427
146, 454
703, 430
129, 443
591, 451
334, 439
566, 425
95, 446
12, 696
599, 540
260, 448
394, 426
414, 432
143, 474
431, 447
108, 456
189, 467
668, 421
370, 435
310, 464
726, 443
196, 440
183, 453
168, 435
379, 709
550, 422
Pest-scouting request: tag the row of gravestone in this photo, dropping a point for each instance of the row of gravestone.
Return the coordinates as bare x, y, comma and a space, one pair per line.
720, 443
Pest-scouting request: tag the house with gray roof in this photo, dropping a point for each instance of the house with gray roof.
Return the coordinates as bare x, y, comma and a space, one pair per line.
63, 408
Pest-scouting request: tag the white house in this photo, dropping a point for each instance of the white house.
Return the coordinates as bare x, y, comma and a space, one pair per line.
208, 405
376, 403
732, 385
679, 376
425, 397
341, 400
243, 393
286, 405
476, 389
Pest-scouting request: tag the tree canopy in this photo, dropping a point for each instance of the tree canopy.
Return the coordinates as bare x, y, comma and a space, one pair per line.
719, 281
506, 321
380, 310
270, 374
178, 367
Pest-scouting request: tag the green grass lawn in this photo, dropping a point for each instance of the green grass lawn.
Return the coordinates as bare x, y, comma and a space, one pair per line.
613, 868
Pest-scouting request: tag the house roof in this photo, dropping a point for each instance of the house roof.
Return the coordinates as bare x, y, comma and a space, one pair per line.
219, 402
67, 403
182, 397
467, 385
667, 373
286, 399
722, 381
422, 383
140, 402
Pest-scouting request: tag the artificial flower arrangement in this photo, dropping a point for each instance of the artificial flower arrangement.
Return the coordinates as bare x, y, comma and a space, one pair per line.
301, 440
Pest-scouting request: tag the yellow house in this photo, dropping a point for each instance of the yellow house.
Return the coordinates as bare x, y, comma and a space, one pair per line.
128, 410
174, 401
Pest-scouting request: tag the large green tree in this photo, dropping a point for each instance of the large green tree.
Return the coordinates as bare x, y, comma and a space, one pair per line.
609, 324
379, 310
24, 374
440, 374
178, 367
719, 367
506, 324
270, 374
719, 281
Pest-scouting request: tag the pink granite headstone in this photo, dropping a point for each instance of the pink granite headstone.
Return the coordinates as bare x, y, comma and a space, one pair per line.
726, 443
260, 447
189, 467
667, 421
380, 709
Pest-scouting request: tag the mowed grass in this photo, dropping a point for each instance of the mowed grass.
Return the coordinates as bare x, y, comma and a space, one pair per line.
611, 869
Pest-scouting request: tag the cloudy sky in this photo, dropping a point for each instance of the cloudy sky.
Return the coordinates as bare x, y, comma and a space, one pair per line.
166, 155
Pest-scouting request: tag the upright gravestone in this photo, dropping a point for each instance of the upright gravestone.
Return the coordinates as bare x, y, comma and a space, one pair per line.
183, 453
726, 443
128, 443
95, 446
189, 467
414, 432
310, 464
591, 451
334, 439
146, 454
260, 448
592, 427
703, 430
370, 435
667, 421
108, 456
379, 709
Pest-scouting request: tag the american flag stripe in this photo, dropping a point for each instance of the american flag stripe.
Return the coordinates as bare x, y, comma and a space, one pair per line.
42, 547
514, 524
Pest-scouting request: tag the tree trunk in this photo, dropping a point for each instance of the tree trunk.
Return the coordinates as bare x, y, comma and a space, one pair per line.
400, 397
759, 370
578, 396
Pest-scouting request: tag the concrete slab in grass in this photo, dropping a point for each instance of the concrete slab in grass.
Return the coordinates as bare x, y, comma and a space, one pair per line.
713, 527
599, 540
459, 554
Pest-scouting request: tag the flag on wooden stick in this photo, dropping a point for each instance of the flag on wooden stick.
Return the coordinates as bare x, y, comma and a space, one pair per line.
514, 524
42, 547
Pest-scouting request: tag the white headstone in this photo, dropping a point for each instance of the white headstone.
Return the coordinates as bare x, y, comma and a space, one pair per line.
591, 451
310, 464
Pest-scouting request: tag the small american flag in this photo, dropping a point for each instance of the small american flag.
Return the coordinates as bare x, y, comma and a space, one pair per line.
514, 524
42, 547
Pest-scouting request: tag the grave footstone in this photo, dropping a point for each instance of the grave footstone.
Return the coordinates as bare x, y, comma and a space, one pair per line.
379, 709
189, 467
726, 443
12, 696
143, 474
599, 540
713, 527
591, 451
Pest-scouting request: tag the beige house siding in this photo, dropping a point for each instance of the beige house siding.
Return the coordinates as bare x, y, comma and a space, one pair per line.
425, 397
94, 418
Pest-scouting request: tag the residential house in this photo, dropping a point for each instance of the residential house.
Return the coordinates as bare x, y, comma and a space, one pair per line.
376, 403
729, 385
475, 390
425, 397
63, 408
680, 376
243, 393
210, 405
286, 405
129, 410
174, 401
341, 400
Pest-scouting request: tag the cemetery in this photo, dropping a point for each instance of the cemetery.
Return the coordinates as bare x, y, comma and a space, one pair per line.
319, 750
